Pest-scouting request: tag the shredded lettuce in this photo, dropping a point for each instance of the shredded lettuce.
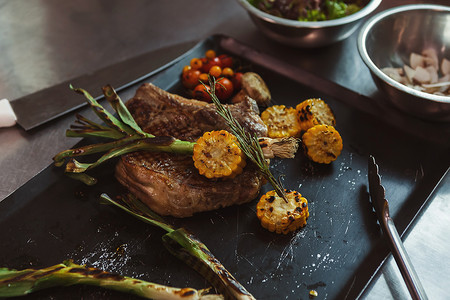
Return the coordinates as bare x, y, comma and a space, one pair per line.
307, 10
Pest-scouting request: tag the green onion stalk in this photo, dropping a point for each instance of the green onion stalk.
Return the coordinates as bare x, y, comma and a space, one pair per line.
186, 247
14, 283
126, 134
182, 244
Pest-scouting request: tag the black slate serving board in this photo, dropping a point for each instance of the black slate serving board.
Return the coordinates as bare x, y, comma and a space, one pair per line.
52, 218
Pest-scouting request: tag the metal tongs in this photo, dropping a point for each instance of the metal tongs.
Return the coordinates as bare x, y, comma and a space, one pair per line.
381, 205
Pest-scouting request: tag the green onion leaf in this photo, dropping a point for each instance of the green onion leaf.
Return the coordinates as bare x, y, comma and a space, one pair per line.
15, 283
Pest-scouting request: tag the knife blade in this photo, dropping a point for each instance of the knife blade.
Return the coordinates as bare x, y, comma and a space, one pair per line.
381, 206
48, 104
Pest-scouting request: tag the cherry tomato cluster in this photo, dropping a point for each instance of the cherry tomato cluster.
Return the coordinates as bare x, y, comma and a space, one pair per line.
220, 67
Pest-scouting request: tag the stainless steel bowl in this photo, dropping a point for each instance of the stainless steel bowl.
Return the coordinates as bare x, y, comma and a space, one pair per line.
307, 34
388, 39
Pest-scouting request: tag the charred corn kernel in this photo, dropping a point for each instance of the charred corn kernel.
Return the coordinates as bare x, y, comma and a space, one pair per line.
217, 154
313, 112
281, 121
322, 143
277, 215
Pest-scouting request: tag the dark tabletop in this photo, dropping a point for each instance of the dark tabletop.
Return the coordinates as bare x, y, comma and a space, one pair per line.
43, 43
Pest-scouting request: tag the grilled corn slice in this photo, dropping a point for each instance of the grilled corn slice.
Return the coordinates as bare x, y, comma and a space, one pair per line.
277, 215
322, 143
313, 112
217, 154
281, 121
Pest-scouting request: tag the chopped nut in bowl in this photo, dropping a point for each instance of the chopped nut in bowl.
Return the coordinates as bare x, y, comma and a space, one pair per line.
407, 51
424, 73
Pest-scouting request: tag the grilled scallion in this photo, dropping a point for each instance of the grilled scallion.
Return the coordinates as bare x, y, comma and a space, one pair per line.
186, 247
14, 283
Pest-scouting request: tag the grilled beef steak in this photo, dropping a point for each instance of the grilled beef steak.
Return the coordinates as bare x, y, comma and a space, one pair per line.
169, 183
164, 114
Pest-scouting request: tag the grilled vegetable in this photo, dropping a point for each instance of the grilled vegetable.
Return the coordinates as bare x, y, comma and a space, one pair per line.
217, 154
281, 121
282, 147
15, 283
322, 143
280, 216
187, 248
253, 86
313, 112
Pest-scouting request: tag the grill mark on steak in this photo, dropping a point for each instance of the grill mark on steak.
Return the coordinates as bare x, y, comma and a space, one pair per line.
169, 183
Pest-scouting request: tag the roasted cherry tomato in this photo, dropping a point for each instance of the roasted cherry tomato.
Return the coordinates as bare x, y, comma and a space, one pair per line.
196, 63
190, 78
228, 72
186, 68
215, 71
203, 77
226, 61
237, 81
201, 93
211, 62
224, 89
210, 54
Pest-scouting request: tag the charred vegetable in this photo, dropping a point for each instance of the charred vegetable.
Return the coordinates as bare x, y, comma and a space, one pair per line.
313, 112
217, 154
253, 86
15, 283
282, 147
187, 248
281, 121
322, 143
277, 215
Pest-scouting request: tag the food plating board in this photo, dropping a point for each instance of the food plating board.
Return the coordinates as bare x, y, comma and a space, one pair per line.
52, 218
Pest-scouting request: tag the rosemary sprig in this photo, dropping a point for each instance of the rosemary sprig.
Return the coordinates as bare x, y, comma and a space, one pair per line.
249, 143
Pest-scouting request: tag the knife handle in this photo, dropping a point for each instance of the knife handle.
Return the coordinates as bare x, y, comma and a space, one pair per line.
7, 116
409, 275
